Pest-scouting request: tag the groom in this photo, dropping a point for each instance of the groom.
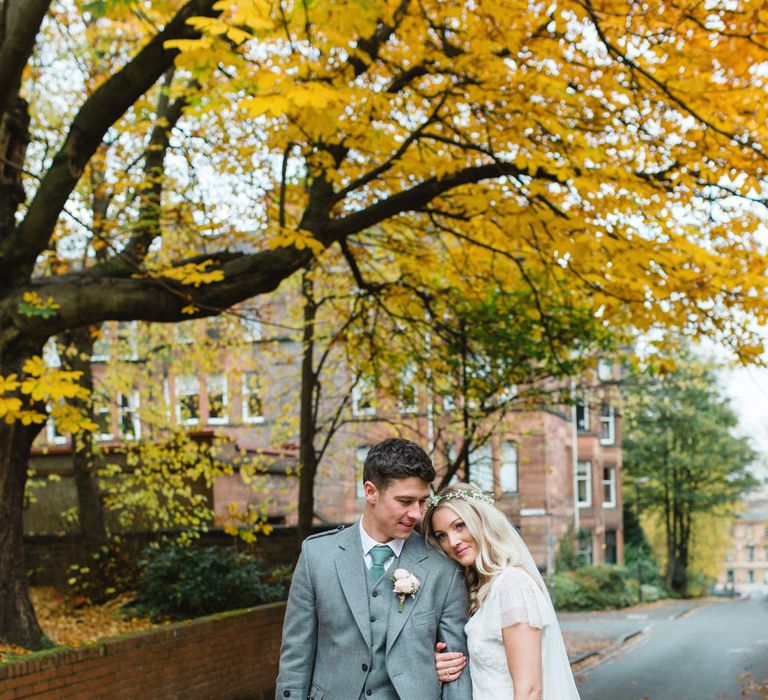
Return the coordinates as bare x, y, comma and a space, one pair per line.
345, 636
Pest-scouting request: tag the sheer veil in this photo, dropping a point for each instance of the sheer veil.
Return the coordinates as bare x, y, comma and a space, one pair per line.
558, 679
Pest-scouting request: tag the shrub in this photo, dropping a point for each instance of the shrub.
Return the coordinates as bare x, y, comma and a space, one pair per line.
110, 569
598, 587
182, 582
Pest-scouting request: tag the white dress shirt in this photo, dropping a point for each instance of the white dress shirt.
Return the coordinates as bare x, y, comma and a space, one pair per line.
369, 543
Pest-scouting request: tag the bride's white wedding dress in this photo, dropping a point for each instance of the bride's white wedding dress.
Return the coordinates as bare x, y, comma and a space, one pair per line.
516, 597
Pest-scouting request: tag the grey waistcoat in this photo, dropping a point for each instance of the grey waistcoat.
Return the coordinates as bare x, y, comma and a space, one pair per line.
377, 685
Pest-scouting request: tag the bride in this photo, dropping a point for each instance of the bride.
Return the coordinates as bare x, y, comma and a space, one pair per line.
516, 649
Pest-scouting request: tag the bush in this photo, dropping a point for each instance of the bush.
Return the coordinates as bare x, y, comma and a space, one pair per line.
178, 583
108, 570
598, 587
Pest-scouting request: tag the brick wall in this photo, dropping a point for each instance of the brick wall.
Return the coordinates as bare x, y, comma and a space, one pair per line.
230, 656
49, 557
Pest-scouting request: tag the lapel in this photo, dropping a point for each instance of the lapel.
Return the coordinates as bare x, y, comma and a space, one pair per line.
351, 572
413, 558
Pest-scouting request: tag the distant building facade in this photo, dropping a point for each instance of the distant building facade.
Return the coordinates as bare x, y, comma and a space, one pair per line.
554, 472
745, 570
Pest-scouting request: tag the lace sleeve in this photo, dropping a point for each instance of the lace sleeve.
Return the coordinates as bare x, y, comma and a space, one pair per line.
518, 599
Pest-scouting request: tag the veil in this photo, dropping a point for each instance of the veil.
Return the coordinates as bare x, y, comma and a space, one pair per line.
558, 679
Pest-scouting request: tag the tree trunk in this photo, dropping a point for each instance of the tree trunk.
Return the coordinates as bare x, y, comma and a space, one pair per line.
307, 423
90, 509
18, 623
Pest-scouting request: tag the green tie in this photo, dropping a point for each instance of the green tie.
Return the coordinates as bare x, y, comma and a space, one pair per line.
379, 554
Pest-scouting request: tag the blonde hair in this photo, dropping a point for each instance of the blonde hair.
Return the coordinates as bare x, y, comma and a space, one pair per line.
496, 547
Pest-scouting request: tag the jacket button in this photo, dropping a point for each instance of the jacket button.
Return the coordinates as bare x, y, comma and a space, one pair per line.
375, 593
286, 693
373, 618
369, 692
365, 667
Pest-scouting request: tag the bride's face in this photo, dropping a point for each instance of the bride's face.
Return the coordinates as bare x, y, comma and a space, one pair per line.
453, 537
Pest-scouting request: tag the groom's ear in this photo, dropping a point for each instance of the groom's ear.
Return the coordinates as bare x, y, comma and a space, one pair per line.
371, 492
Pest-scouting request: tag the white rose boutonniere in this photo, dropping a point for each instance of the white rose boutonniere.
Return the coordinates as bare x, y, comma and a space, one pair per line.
406, 584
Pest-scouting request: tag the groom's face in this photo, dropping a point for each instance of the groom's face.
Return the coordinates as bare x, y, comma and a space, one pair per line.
392, 512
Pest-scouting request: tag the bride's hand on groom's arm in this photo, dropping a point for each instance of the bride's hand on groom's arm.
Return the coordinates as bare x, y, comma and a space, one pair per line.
448, 664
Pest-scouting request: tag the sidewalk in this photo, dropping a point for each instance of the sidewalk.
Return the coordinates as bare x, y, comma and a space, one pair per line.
597, 633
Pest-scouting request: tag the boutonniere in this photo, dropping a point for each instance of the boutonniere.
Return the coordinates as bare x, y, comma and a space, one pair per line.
406, 584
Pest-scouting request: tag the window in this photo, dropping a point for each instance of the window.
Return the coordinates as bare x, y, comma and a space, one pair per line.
610, 546
729, 576
508, 466
607, 425
128, 415
609, 487
103, 418
252, 328
508, 394
53, 435
750, 576
360, 454
362, 398
100, 351
214, 328
408, 400
188, 399
584, 548
750, 553
582, 413
128, 340
584, 484
216, 387
253, 408
604, 370
481, 467
51, 356
185, 332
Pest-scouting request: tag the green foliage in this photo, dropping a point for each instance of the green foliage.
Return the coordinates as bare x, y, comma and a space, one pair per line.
109, 570
598, 587
567, 558
681, 456
183, 582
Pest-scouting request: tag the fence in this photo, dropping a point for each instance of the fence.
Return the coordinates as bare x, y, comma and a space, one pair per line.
229, 656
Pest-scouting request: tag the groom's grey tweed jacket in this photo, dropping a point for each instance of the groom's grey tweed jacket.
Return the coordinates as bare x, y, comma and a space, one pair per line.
327, 653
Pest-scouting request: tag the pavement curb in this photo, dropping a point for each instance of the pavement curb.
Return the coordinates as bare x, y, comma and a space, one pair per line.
583, 657
629, 635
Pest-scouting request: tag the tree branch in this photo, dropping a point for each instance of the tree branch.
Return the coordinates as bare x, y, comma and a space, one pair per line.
101, 110
20, 21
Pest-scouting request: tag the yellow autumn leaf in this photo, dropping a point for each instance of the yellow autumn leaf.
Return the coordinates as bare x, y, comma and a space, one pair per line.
9, 383
194, 274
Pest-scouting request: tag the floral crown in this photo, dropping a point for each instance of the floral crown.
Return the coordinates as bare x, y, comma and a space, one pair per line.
464, 494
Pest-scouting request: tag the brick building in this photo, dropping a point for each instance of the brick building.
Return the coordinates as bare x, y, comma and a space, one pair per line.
745, 570
529, 461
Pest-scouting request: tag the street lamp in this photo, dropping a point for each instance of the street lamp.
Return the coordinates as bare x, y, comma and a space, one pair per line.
641, 544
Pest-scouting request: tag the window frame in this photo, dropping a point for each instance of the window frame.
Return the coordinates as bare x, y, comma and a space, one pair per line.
504, 462
582, 401
224, 418
357, 395
609, 421
611, 484
134, 402
247, 390
586, 478
181, 392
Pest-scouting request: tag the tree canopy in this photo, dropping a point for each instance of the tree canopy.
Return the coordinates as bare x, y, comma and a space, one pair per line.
683, 455
609, 151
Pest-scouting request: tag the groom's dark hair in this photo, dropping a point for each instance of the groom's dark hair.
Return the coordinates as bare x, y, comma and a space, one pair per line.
396, 458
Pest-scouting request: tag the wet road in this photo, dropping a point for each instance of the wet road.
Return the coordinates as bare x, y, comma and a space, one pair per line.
718, 651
